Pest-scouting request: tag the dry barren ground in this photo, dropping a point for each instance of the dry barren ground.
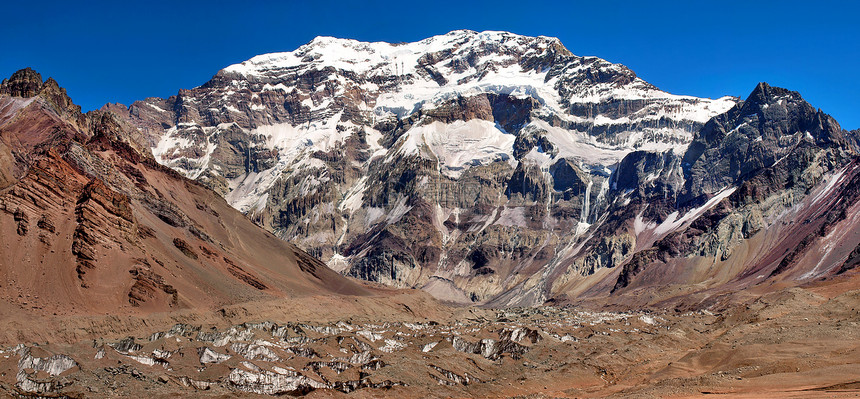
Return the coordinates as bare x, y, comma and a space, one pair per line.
794, 343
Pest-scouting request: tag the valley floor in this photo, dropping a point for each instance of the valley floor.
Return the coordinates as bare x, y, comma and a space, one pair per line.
795, 343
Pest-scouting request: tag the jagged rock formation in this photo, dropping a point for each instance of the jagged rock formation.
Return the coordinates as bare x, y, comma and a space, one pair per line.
501, 169
90, 221
462, 163
764, 193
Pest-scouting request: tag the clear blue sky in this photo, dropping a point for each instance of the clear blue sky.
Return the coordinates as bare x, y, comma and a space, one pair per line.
121, 51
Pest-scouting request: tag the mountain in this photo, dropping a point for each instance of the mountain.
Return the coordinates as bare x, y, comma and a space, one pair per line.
705, 245
91, 223
765, 197
498, 169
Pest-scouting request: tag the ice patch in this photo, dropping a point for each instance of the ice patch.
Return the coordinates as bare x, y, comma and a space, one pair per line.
831, 183
674, 221
460, 144
352, 200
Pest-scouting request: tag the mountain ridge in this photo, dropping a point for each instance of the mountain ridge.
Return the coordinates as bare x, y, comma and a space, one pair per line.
79, 189
472, 164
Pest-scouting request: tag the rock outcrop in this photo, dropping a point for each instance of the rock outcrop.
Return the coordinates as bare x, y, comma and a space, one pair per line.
92, 222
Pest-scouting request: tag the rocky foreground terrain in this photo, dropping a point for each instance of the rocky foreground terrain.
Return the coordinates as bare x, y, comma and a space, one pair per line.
798, 343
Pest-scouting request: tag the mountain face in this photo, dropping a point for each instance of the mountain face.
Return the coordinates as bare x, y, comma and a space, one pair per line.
765, 195
92, 223
502, 169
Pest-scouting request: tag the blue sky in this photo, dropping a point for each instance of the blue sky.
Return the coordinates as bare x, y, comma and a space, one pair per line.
122, 51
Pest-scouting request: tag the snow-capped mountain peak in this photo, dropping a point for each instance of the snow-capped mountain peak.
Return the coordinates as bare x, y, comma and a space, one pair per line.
356, 56
339, 139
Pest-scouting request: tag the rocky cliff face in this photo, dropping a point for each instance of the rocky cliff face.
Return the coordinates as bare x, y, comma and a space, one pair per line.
764, 193
91, 222
488, 167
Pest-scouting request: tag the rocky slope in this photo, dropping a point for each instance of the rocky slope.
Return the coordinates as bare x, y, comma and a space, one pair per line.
764, 196
502, 169
91, 223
